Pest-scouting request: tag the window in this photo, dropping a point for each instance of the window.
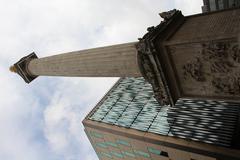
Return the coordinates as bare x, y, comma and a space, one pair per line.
131, 104
105, 155
112, 144
141, 153
220, 4
123, 142
101, 145
212, 5
129, 154
116, 154
96, 135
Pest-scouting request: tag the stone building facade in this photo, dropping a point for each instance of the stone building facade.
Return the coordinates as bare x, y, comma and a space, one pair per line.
191, 110
128, 123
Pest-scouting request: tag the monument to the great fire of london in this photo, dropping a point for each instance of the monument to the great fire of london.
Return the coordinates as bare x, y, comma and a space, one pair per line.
183, 57
193, 66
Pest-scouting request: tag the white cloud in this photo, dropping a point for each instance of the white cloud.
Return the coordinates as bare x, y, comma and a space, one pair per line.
17, 126
189, 7
43, 120
69, 105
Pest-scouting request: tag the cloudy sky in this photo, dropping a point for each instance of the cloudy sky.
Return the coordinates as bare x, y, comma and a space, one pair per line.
42, 120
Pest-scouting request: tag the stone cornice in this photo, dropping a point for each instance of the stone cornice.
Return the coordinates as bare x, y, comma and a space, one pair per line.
148, 60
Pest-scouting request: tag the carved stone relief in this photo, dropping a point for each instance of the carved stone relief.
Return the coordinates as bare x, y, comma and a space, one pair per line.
229, 84
194, 69
222, 63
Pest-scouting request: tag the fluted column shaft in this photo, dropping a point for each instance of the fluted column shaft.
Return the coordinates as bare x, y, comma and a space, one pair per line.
111, 61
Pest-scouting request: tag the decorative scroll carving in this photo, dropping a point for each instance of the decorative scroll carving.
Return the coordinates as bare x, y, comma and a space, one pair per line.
221, 61
167, 15
148, 61
148, 67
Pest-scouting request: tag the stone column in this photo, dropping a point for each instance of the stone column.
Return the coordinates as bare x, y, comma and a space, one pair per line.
111, 61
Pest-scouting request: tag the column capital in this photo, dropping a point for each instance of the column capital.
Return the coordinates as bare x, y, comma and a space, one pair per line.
21, 68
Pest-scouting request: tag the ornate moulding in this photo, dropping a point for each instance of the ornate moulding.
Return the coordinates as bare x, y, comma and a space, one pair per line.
148, 59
